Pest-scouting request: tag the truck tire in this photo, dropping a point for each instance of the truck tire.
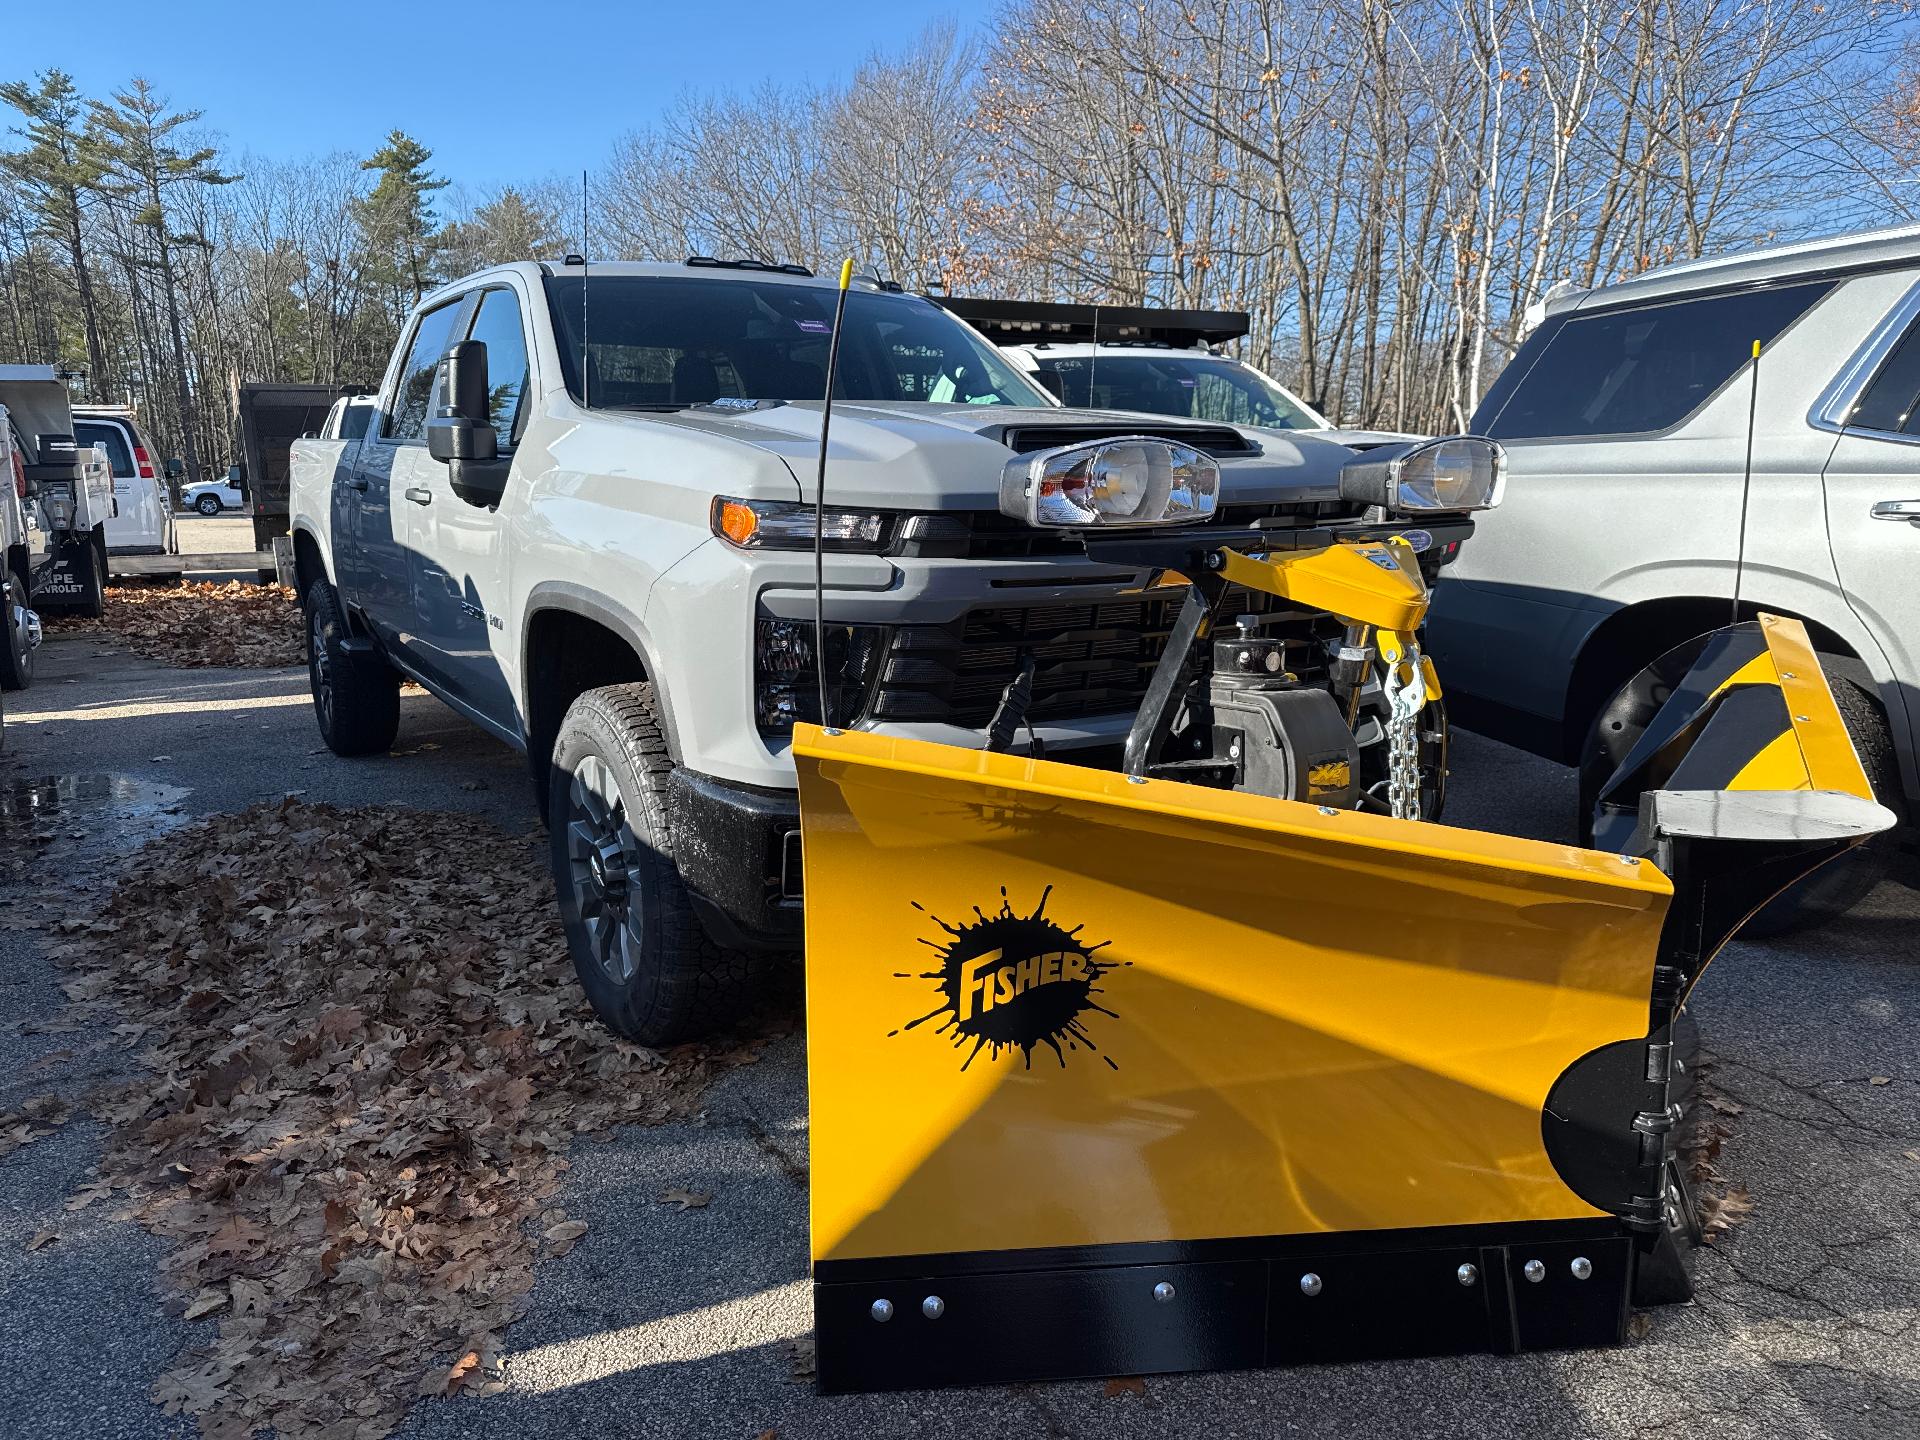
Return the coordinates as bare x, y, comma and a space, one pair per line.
1835, 887
647, 964
16, 645
356, 694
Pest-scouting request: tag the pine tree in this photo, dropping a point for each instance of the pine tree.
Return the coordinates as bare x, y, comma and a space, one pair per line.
397, 219
134, 138
511, 226
62, 174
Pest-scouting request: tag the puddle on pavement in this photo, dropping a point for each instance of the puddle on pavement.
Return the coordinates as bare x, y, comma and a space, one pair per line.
24, 802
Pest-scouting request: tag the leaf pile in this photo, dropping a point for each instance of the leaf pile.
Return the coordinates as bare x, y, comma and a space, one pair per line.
197, 622
370, 1054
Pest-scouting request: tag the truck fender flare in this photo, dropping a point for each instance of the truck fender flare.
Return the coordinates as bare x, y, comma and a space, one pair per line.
573, 599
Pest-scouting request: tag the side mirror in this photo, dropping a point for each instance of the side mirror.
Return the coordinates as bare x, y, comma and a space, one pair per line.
175, 468
1051, 382
462, 435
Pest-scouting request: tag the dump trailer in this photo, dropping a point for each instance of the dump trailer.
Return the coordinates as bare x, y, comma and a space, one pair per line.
272, 416
1220, 1061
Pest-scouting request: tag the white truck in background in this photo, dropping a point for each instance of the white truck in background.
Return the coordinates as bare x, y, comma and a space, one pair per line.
54, 525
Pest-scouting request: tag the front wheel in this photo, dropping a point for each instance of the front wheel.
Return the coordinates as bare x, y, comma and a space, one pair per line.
356, 694
208, 505
648, 966
16, 638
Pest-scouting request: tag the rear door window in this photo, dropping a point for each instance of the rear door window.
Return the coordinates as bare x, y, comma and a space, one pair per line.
1889, 401
1635, 371
110, 438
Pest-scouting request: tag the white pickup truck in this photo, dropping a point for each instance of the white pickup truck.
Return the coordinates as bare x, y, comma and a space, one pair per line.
581, 516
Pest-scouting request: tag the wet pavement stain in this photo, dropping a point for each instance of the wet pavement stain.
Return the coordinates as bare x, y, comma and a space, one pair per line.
44, 798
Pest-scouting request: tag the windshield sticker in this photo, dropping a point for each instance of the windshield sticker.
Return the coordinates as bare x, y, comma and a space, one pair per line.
816, 327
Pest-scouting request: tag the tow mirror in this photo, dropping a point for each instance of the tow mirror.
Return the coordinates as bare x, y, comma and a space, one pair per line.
462, 434
1050, 381
175, 467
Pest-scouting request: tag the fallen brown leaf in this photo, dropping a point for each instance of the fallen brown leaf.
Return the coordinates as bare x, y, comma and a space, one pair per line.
196, 623
42, 1238
1126, 1385
686, 1199
1879, 1080
366, 1057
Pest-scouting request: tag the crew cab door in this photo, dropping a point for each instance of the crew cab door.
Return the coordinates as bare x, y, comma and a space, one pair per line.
455, 548
392, 461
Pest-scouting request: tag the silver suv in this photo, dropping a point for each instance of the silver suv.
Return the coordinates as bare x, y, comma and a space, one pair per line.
1628, 523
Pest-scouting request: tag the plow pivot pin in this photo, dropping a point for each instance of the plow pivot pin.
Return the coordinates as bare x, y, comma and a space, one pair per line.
830, 730
1629, 859
1467, 1274
1136, 779
1309, 1284
1582, 1267
1534, 1271
1328, 810
882, 1310
933, 1307
1163, 1292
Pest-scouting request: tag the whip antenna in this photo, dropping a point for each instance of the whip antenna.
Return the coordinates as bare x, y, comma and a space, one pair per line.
586, 399
1746, 482
819, 498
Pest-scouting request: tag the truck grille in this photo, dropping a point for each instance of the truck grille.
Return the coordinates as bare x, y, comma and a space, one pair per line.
989, 535
1090, 658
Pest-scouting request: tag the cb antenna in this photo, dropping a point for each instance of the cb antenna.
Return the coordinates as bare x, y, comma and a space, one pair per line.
819, 499
1746, 482
586, 400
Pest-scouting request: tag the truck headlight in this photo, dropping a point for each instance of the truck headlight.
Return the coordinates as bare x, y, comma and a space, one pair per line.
1460, 472
787, 525
786, 685
1129, 480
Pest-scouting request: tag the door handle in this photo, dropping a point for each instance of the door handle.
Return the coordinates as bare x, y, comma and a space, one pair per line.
1907, 510
419, 496
354, 482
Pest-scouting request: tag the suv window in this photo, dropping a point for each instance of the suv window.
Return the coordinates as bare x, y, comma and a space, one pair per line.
1628, 372
497, 323
1888, 402
408, 420
110, 438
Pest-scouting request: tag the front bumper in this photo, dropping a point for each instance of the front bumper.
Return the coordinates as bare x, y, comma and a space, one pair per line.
738, 850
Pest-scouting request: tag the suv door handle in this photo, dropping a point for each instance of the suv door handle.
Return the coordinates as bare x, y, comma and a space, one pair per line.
1908, 510
419, 496
355, 482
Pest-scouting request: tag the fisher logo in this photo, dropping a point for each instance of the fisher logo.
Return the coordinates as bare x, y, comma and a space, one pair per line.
1010, 982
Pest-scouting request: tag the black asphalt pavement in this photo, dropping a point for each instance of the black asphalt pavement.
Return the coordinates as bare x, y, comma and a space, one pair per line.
670, 1324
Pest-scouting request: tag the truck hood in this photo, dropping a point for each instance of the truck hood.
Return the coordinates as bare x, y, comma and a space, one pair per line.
917, 456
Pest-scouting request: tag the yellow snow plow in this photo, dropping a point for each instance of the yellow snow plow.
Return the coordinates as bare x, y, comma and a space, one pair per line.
1230, 1059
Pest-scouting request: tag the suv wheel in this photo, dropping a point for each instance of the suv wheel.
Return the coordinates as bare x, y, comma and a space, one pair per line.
356, 694
649, 968
208, 504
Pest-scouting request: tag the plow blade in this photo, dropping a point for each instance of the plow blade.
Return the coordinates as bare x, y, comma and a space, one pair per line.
1111, 1076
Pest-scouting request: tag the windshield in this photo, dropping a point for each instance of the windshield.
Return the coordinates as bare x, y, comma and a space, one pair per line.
1197, 387
663, 343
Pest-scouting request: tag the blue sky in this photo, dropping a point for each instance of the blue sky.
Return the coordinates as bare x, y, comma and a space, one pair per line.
508, 91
